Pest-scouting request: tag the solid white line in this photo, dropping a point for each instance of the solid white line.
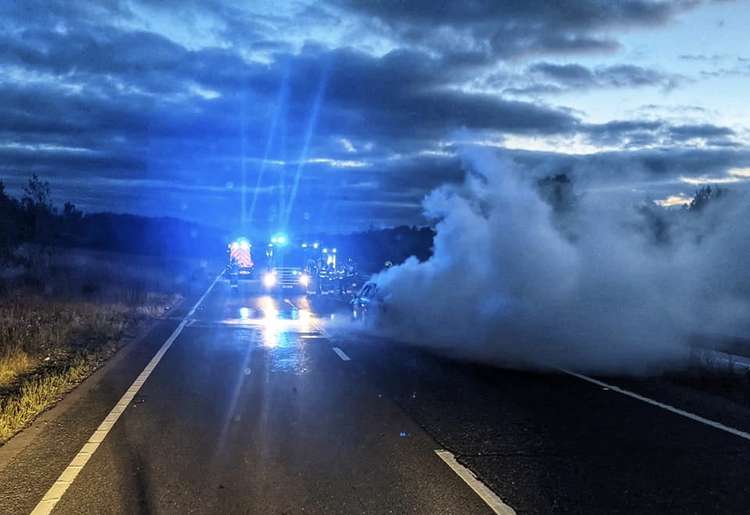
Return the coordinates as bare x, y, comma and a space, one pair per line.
671, 409
341, 354
55, 493
488, 496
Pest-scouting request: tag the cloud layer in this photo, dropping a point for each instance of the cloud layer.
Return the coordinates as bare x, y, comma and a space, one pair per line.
334, 115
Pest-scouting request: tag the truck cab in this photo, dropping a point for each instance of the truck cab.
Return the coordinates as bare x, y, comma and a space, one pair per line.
286, 266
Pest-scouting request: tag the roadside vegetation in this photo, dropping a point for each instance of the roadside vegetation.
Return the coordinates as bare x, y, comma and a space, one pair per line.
57, 324
63, 310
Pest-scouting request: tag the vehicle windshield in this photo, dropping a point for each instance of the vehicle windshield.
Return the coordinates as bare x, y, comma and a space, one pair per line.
286, 256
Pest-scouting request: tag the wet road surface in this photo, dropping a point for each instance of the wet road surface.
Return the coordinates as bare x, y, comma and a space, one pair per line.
256, 408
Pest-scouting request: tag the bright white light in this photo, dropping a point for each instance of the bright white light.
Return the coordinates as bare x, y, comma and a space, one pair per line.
269, 280
339, 163
304, 317
270, 321
304, 280
674, 200
271, 331
244, 313
316, 245
279, 239
700, 181
268, 308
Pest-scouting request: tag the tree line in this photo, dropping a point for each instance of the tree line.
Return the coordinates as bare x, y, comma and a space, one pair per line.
32, 219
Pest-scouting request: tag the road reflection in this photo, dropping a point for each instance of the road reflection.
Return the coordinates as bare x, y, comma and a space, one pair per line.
277, 325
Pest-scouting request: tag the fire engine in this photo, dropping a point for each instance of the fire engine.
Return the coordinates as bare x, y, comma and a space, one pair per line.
240, 263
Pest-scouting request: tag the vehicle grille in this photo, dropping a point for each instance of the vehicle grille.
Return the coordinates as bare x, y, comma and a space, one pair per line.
288, 277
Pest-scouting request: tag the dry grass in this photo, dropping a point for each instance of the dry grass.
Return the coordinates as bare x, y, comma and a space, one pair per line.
47, 348
14, 364
58, 325
38, 393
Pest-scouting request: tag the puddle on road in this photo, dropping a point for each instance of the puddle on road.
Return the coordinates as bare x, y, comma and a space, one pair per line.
277, 329
280, 351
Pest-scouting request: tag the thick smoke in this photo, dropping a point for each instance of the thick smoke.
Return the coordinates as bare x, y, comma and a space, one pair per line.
527, 272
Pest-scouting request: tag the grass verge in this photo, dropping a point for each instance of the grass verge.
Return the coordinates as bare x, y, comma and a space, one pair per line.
36, 394
59, 324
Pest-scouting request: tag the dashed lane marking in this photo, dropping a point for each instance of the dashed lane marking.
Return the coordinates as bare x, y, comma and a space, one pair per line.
488, 496
55, 493
341, 354
671, 409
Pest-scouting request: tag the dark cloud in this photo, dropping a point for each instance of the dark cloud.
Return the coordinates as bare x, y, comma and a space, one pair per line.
150, 92
636, 173
619, 76
624, 132
124, 116
704, 131
640, 133
516, 27
547, 78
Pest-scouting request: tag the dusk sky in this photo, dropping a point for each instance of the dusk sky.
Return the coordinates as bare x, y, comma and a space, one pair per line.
342, 114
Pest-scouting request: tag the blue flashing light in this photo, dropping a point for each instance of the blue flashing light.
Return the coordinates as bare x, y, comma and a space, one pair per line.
279, 239
241, 243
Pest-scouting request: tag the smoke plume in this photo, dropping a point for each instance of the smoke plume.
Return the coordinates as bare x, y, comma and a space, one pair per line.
528, 272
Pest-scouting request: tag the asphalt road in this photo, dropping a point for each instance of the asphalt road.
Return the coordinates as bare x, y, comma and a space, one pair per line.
256, 408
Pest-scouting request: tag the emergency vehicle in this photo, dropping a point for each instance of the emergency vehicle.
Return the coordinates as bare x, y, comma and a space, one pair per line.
240, 259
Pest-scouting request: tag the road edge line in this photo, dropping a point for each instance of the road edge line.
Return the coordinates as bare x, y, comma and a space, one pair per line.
658, 404
490, 498
63, 482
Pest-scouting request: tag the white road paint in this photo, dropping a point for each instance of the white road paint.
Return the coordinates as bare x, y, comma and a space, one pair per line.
667, 407
488, 496
55, 493
341, 354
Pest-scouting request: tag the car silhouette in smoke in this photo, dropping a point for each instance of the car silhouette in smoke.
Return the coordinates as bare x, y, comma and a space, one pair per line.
368, 304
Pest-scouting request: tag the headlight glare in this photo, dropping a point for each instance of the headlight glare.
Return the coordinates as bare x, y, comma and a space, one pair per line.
269, 280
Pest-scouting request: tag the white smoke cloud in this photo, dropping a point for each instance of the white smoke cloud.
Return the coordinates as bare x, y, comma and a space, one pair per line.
601, 285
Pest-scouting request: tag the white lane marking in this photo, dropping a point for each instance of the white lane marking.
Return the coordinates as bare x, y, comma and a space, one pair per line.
55, 493
341, 354
488, 496
671, 409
